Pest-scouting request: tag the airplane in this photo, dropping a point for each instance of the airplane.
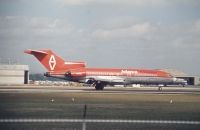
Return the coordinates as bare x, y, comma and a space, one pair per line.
100, 77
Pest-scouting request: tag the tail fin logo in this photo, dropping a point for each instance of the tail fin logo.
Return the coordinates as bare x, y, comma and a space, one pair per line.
52, 62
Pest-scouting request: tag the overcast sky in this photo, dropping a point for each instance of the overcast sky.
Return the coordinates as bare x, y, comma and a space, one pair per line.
105, 33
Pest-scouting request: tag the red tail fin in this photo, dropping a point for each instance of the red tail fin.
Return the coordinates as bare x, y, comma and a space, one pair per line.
52, 62
48, 59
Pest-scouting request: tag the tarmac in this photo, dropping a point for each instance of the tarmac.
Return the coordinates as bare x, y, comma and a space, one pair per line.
60, 107
108, 90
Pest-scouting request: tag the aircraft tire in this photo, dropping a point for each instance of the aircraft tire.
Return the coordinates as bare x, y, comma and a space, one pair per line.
99, 86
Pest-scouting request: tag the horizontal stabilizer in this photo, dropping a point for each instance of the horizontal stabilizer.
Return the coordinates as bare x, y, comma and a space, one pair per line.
35, 52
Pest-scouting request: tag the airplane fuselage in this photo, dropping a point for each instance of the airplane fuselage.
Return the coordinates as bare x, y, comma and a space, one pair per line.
99, 77
118, 76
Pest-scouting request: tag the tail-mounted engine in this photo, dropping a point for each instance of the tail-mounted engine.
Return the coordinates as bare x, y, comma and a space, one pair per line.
68, 74
47, 74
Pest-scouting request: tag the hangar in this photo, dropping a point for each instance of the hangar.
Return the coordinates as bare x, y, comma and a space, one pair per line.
14, 74
191, 79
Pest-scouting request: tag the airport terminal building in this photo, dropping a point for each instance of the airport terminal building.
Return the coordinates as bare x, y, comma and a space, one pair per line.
14, 74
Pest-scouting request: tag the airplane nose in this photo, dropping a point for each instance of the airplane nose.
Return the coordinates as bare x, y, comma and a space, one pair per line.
178, 80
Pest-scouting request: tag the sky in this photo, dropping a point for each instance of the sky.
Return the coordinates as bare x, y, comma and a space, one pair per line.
154, 34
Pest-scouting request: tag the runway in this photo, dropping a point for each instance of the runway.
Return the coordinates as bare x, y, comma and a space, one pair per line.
61, 107
107, 90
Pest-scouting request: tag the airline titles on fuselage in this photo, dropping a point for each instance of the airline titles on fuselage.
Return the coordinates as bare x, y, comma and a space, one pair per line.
129, 73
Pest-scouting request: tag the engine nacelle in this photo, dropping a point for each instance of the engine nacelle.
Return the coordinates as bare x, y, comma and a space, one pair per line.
68, 74
47, 74
90, 81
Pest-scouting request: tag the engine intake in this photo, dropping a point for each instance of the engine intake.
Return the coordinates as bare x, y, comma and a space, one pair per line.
47, 74
68, 74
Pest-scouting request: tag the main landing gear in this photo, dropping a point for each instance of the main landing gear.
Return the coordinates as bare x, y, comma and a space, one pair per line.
160, 86
99, 85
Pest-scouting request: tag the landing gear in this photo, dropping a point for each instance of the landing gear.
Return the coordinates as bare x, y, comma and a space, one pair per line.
159, 88
99, 85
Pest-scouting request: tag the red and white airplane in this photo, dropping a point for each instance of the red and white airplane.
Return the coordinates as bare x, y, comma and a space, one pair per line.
100, 77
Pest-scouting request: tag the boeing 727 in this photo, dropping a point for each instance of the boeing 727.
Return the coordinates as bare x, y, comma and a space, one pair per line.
100, 77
